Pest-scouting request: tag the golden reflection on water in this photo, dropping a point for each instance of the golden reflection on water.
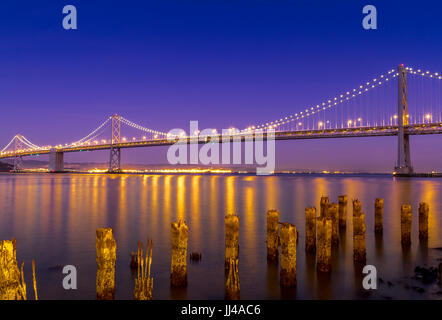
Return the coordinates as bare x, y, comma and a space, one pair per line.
195, 214
249, 213
230, 194
61, 213
213, 207
181, 197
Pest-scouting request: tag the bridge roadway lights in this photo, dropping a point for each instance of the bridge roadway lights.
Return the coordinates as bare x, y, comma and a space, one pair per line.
56, 161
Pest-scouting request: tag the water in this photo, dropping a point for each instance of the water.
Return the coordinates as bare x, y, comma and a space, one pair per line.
54, 218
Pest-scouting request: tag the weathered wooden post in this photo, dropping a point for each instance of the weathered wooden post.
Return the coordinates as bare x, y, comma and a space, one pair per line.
333, 215
406, 217
359, 245
324, 203
310, 229
288, 255
378, 215
231, 239
232, 282
342, 201
323, 250
357, 208
180, 236
106, 249
10, 288
272, 235
424, 209
144, 283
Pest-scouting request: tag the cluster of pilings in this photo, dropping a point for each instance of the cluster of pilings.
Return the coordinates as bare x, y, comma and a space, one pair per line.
106, 255
179, 240
322, 233
285, 236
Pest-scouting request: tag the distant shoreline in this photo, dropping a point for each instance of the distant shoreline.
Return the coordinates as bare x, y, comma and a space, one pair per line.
243, 173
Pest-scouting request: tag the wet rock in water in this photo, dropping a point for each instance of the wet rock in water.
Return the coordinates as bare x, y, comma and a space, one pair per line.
418, 289
133, 260
426, 275
195, 256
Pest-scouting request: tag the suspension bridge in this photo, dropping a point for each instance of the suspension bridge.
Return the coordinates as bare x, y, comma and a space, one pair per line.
402, 102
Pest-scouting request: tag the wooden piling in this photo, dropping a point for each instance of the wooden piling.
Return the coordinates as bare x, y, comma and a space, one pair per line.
232, 288
144, 282
34, 280
10, 287
406, 217
357, 208
424, 209
378, 215
324, 203
310, 229
342, 202
333, 215
106, 250
323, 249
272, 235
231, 239
288, 255
179, 239
359, 243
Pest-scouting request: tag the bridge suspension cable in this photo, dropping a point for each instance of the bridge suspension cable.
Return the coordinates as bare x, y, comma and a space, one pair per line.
136, 126
91, 135
330, 103
27, 142
23, 140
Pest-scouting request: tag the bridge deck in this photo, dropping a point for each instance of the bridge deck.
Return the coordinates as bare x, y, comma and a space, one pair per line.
421, 129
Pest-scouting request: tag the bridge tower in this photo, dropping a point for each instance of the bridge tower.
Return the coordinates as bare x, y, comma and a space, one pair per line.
403, 160
115, 151
56, 161
18, 159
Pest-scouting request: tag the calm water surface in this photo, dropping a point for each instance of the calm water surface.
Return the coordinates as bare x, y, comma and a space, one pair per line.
54, 218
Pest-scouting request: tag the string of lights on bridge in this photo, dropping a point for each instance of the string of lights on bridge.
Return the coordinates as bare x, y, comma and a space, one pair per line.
348, 95
22, 144
329, 103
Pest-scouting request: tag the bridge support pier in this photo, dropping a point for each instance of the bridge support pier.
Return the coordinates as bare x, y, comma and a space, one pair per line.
403, 166
18, 164
56, 161
115, 160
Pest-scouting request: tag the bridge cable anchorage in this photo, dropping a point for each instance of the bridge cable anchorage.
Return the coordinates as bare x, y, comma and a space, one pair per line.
382, 79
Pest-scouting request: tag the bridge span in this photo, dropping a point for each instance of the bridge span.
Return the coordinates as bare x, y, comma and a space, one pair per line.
344, 116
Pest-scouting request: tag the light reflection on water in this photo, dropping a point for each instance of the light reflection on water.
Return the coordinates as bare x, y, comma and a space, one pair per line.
54, 217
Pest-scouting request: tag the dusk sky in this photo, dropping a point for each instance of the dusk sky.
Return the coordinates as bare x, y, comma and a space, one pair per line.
223, 63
